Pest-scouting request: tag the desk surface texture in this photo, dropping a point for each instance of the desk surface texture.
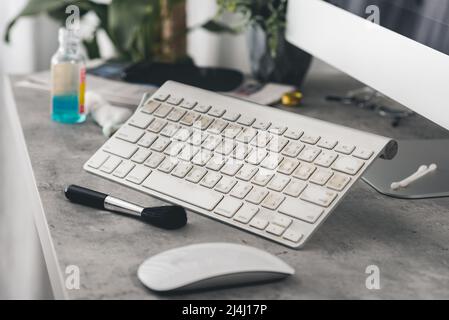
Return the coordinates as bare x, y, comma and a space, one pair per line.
407, 240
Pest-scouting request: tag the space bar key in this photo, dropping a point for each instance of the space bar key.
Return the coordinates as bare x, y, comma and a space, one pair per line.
182, 190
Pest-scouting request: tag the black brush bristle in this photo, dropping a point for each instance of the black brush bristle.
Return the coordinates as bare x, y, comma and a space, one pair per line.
169, 217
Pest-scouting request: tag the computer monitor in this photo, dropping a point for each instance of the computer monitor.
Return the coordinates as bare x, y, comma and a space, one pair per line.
405, 57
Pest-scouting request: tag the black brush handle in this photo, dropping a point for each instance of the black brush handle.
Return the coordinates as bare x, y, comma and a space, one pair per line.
85, 196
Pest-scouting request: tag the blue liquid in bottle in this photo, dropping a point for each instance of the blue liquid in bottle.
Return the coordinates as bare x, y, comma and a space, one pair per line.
66, 109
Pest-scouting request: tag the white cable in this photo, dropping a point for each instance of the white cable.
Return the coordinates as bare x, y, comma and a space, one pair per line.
422, 172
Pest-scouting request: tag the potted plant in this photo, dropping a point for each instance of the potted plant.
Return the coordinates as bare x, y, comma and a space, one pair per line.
140, 30
272, 58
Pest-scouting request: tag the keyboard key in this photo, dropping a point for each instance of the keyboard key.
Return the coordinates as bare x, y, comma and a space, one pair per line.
182, 134
168, 165
262, 125
232, 131
275, 229
141, 155
150, 107
293, 149
182, 169
309, 154
202, 158
228, 207
187, 192
174, 149
216, 162
174, 100
262, 139
246, 120
163, 111
301, 210
141, 120
273, 201
241, 190
325, 159
294, 134
231, 167
97, 160
283, 221
154, 160
226, 147
176, 115
277, 144
212, 142
247, 135
138, 174
278, 129
288, 166
327, 143
231, 116
190, 118
225, 184
160, 144
246, 213
196, 174
170, 130
241, 151
161, 97
345, 148
279, 182
257, 195
321, 176
272, 161
257, 156
188, 152
197, 138
259, 223
157, 125
188, 104
304, 171
310, 138
203, 122
363, 154
111, 164
147, 140
247, 172
263, 177
216, 112
120, 148
202, 108
129, 134
349, 165
211, 179
217, 126
318, 195
338, 182
293, 236
295, 187
123, 169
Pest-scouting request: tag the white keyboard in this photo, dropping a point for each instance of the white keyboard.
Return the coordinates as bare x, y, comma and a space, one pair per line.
272, 173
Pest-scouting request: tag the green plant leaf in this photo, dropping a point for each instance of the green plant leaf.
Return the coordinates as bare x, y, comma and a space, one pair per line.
218, 27
125, 22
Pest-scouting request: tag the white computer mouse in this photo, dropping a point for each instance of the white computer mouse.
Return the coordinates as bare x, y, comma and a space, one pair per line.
210, 265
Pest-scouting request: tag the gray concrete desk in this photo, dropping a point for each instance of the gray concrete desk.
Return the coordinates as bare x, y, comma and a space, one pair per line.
407, 240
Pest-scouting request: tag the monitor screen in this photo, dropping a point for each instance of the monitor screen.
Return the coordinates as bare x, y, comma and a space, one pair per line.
425, 21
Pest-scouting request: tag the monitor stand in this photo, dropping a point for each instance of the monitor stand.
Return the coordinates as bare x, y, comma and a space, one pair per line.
411, 155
